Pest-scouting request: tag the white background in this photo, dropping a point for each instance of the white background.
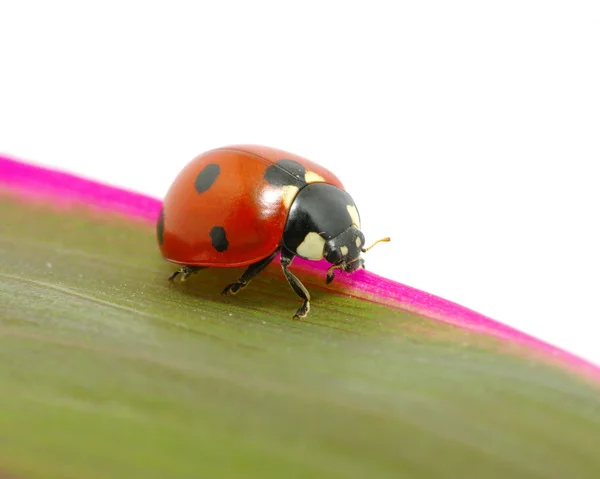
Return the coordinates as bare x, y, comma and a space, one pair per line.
467, 131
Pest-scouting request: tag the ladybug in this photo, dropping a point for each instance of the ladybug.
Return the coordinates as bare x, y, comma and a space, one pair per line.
241, 205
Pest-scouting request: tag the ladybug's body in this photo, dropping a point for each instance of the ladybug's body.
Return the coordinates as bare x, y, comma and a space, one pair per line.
241, 205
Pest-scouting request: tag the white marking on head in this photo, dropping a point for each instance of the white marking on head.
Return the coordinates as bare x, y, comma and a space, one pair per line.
344, 250
354, 215
358, 242
312, 177
288, 194
312, 247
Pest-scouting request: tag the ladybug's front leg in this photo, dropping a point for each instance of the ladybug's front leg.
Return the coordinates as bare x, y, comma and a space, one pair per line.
297, 286
250, 273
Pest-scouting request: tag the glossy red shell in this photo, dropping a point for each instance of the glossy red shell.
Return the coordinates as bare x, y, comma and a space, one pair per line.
252, 211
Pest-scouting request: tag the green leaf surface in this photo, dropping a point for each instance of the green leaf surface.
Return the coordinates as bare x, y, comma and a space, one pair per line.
107, 370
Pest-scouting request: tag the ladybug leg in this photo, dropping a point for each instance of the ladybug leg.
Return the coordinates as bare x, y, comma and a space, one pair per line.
297, 286
186, 271
248, 275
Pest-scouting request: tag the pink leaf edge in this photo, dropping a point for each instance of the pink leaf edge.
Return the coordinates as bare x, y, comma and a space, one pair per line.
31, 181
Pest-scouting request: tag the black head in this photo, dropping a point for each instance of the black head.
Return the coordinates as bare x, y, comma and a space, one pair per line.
343, 252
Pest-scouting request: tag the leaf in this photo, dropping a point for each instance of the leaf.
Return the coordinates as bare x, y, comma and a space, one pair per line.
107, 370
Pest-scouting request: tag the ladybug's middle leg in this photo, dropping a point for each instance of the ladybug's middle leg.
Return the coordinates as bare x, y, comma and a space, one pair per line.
185, 271
297, 286
248, 275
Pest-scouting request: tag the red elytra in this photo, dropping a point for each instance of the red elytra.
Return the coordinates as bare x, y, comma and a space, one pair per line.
251, 211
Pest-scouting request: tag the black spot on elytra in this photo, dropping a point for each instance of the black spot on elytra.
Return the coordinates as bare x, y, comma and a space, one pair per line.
219, 238
160, 227
286, 172
207, 177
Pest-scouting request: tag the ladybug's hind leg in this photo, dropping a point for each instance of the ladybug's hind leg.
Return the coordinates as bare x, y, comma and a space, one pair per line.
297, 286
248, 275
186, 271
